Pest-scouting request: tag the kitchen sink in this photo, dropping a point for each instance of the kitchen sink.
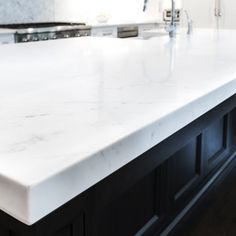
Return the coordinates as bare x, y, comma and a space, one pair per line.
146, 35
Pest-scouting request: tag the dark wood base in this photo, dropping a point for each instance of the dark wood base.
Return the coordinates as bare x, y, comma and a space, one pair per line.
145, 196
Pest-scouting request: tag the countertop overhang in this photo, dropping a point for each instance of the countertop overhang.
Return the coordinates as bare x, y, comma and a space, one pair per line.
74, 111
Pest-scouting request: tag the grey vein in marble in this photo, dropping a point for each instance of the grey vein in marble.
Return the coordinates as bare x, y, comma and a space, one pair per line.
24, 11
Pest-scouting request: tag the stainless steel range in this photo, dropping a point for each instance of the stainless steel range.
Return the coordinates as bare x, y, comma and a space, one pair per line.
47, 31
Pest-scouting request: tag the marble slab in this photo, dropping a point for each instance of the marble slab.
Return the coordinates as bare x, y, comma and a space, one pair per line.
73, 111
26, 11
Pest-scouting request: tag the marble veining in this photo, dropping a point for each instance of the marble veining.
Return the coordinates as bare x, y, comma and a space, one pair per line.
25, 11
73, 111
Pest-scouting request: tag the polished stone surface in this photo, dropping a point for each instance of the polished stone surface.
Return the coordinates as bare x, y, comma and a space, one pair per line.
25, 11
74, 111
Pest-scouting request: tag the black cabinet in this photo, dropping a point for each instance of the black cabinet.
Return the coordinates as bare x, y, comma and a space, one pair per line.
215, 143
136, 210
74, 228
232, 130
4, 231
185, 172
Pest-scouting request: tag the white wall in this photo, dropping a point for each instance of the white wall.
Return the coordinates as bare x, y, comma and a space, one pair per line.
228, 20
118, 10
17, 11
203, 13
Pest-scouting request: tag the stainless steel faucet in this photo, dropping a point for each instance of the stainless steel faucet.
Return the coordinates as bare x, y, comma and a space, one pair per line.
171, 28
145, 5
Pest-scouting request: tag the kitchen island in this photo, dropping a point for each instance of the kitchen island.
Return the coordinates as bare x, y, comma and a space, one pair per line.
113, 137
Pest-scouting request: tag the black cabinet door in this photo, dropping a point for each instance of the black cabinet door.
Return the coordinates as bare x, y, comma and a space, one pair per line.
215, 144
74, 228
232, 130
185, 173
4, 232
137, 211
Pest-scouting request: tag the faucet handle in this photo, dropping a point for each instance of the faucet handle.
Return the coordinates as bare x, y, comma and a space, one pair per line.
171, 29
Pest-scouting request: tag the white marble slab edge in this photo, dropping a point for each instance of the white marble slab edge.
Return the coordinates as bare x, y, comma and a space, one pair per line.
30, 201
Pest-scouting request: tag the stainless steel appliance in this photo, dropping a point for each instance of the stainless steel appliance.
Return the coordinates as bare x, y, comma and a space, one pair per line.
47, 31
127, 31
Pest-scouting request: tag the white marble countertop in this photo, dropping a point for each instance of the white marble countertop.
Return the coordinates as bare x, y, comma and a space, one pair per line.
73, 111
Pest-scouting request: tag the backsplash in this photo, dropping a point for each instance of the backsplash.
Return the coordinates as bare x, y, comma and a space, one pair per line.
115, 10
119, 11
19, 11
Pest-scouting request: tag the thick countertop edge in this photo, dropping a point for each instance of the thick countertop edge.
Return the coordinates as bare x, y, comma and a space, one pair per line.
15, 195
80, 170
191, 104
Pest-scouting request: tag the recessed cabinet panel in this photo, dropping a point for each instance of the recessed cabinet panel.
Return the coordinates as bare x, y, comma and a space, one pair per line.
135, 210
232, 129
214, 139
76, 228
185, 172
67, 231
215, 143
4, 232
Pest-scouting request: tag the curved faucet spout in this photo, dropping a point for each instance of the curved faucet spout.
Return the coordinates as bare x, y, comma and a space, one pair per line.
145, 5
172, 26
